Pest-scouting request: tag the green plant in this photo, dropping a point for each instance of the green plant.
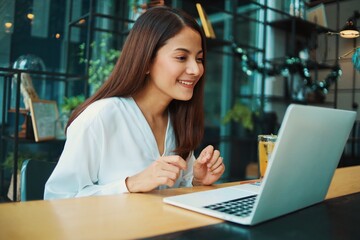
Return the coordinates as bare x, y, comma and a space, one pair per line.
70, 103
101, 67
240, 113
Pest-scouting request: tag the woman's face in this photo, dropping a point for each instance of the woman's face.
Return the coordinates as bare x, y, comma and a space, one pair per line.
178, 66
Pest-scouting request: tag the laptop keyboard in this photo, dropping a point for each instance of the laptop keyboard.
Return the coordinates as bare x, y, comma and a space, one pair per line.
241, 207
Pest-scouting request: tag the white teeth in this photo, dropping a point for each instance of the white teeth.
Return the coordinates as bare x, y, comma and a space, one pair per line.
186, 83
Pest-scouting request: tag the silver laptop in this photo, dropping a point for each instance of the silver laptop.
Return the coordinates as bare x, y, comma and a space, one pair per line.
310, 143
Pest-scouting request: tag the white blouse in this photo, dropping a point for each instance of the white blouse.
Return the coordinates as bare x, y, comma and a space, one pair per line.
108, 142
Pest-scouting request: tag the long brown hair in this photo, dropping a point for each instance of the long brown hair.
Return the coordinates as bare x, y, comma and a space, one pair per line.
149, 33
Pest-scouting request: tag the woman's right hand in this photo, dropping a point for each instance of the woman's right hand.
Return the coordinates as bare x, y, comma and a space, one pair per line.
164, 171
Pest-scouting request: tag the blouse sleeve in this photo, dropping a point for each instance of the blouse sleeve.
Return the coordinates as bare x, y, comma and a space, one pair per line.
76, 173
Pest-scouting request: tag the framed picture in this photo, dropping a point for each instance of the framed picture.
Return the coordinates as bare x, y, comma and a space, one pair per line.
44, 114
317, 15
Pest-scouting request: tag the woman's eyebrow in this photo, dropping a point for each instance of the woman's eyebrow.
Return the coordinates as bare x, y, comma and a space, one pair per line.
186, 50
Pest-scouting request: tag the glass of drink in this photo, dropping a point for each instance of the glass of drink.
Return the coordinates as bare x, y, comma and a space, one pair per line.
266, 144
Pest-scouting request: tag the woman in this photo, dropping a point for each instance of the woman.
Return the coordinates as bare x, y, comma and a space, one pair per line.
139, 130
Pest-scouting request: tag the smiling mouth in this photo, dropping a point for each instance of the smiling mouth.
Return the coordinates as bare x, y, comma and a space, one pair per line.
187, 83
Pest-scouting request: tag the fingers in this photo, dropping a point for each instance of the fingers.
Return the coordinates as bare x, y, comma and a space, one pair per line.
218, 167
206, 154
210, 157
169, 171
214, 159
166, 167
175, 160
216, 164
208, 167
170, 168
163, 171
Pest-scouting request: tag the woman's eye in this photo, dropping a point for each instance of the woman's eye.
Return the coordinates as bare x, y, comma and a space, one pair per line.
200, 60
181, 58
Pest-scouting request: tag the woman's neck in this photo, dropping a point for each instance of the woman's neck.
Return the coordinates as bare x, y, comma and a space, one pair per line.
156, 114
151, 105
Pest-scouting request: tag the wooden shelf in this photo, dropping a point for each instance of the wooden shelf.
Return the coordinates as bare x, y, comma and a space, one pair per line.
21, 110
302, 27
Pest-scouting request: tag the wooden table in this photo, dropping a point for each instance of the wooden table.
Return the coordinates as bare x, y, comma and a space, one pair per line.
125, 216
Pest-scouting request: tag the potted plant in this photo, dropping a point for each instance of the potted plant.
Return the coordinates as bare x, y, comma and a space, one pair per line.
101, 66
242, 114
70, 103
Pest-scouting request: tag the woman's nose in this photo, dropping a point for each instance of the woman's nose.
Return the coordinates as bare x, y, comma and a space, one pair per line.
194, 68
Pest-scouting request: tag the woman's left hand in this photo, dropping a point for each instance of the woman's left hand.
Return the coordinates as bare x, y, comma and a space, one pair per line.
208, 167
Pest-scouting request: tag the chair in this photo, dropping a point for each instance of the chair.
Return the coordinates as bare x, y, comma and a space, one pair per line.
34, 174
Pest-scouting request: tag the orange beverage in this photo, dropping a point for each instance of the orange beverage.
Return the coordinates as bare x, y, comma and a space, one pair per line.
266, 144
